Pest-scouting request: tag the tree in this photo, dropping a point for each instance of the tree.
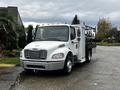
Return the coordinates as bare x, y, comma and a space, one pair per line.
21, 36
114, 35
29, 33
37, 26
103, 27
12, 35
8, 36
76, 20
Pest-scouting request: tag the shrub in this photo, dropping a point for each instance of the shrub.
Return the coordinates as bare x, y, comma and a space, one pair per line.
13, 53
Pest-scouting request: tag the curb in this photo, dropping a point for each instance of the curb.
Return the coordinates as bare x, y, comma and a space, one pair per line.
16, 81
7, 65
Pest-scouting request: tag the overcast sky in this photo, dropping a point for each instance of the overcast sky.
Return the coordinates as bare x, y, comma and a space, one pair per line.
61, 11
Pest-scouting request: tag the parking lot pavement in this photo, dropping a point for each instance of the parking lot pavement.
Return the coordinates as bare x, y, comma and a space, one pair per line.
8, 76
102, 73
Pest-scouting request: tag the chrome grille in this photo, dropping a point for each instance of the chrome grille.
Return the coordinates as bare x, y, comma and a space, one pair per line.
39, 54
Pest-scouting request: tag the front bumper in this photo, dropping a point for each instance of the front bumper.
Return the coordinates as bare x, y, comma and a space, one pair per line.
42, 65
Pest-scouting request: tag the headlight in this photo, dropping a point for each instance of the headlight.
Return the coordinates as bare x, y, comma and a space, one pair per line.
58, 56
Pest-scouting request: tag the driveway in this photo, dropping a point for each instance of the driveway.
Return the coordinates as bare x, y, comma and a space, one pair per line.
102, 73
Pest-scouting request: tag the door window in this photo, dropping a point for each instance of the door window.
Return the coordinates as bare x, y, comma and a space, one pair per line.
73, 35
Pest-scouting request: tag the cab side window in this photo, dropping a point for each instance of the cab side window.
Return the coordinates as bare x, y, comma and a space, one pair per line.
72, 35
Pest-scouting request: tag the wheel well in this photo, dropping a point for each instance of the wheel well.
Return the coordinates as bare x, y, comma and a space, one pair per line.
70, 54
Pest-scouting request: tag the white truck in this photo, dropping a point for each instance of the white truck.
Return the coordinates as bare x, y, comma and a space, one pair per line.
58, 47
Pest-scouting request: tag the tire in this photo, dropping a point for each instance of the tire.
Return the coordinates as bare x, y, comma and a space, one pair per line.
68, 65
88, 55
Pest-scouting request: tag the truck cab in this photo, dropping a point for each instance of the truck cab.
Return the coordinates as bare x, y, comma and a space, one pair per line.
56, 47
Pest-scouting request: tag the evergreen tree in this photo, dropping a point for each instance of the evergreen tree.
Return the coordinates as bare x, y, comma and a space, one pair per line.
21, 36
29, 33
76, 20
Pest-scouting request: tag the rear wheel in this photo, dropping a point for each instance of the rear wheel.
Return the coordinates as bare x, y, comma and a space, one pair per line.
68, 65
88, 55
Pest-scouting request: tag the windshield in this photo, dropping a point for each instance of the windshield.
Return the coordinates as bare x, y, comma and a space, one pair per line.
52, 33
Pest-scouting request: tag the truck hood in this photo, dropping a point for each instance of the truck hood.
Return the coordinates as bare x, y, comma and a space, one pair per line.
44, 45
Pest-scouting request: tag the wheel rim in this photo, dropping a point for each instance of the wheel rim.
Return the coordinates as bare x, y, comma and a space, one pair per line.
69, 66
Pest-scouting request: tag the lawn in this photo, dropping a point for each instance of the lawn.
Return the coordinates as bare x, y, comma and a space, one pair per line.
107, 44
10, 61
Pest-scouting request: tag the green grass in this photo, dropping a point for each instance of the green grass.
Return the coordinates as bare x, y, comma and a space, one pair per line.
107, 44
9, 61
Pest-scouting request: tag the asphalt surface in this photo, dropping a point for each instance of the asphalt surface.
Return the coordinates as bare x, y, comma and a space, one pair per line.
102, 73
8, 77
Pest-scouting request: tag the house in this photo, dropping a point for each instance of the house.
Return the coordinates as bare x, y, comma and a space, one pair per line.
13, 12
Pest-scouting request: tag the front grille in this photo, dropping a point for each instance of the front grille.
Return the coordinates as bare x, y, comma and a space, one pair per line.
39, 54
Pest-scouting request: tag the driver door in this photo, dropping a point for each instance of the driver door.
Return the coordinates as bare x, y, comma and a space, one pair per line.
74, 42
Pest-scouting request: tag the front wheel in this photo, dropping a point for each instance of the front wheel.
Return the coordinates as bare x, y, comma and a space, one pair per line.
68, 65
